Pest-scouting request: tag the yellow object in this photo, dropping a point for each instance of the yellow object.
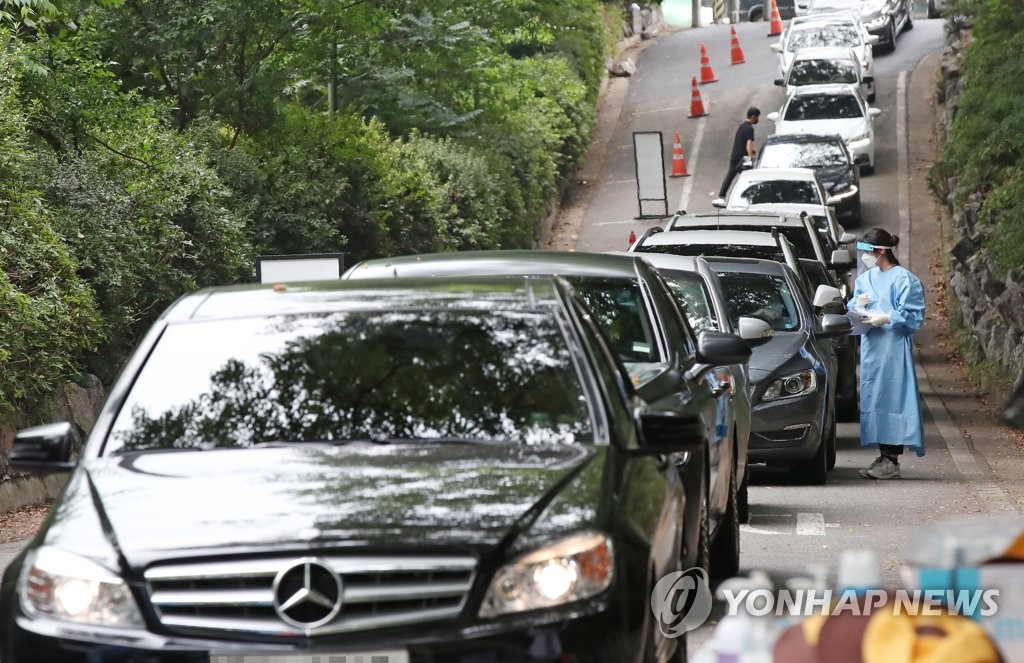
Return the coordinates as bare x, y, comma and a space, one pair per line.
812, 628
926, 639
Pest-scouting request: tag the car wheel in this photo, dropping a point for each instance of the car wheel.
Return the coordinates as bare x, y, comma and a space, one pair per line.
867, 169
756, 14
814, 471
743, 498
871, 98
698, 552
890, 44
725, 549
910, 17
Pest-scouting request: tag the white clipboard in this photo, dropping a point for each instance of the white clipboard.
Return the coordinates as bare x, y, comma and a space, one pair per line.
859, 320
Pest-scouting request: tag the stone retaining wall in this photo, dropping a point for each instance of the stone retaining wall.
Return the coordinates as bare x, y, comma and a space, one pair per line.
993, 307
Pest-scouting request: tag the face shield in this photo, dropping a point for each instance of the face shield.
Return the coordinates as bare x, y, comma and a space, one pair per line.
863, 250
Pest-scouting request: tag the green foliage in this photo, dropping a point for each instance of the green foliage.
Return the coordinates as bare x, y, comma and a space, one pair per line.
47, 313
986, 144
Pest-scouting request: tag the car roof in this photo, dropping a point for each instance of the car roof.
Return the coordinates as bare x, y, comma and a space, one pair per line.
747, 265
774, 174
789, 211
803, 138
838, 17
743, 237
756, 221
824, 88
510, 262
224, 302
671, 261
825, 53
681, 221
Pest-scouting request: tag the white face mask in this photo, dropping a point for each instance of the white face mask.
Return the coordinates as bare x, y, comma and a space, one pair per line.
869, 260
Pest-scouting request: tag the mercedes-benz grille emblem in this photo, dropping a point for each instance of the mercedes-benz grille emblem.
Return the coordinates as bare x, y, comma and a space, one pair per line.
307, 593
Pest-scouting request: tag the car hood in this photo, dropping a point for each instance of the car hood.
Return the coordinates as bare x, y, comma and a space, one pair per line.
204, 502
833, 175
767, 360
845, 128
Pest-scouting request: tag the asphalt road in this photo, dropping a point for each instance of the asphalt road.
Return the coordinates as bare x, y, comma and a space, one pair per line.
972, 463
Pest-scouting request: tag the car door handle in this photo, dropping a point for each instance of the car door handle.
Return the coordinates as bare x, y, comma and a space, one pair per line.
719, 390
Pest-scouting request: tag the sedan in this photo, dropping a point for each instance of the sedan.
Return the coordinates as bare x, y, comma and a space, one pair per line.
885, 19
758, 188
451, 470
653, 339
832, 31
828, 156
817, 66
831, 109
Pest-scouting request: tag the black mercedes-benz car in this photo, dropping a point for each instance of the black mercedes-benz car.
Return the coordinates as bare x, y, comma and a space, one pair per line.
652, 337
828, 156
454, 470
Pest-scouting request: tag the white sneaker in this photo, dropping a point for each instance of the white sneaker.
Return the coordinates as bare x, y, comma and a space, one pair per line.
874, 465
887, 469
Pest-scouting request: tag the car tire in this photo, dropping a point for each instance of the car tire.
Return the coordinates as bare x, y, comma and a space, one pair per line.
725, 548
890, 45
756, 14
743, 498
814, 471
867, 169
697, 548
909, 25
871, 98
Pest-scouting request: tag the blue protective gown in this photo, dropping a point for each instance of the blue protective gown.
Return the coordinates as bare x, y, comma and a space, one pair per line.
890, 407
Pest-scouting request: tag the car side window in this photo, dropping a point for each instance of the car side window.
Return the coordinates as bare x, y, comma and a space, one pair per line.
676, 325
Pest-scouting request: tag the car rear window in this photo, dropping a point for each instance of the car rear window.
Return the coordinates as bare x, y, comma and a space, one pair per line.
803, 155
812, 72
495, 376
799, 192
844, 36
763, 296
823, 107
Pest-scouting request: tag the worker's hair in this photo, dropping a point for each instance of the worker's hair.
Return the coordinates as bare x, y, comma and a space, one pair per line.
881, 237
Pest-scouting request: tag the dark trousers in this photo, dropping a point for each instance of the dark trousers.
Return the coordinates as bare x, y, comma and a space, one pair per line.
734, 167
890, 449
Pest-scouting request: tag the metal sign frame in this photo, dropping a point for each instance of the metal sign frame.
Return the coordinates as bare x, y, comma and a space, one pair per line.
649, 160
320, 267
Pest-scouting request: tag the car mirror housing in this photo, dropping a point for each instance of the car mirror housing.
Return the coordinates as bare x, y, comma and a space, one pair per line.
833, 324
719, 349
874, 112
719, 203
871, 40
841, 258
773, 116
825, 295
868, 79
755, 331
777, 47
44, 448
847, 238
669, 432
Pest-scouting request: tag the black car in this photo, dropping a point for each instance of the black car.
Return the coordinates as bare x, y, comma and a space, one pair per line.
653, 339
759, 10
453, 471
828, 156
885, 19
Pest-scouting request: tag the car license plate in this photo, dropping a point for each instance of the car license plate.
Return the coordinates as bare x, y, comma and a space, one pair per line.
392, 656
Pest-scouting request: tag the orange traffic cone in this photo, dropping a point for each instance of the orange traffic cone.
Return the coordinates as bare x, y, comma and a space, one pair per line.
737, 52
632, 238
678, 160
775, 28
696, 105
707, 74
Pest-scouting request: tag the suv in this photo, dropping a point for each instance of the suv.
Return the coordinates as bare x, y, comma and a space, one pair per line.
653, 339
445, 470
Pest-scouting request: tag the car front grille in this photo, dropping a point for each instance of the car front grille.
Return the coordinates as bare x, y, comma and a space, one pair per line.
238, 596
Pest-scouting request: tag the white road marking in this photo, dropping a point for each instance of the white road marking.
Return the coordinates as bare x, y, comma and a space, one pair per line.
691, 164
757, 530
810, 524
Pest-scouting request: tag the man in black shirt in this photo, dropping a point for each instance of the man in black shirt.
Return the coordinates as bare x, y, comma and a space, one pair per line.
742, 146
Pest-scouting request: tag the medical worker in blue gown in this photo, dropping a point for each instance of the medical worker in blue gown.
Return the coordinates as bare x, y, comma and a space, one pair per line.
893, 300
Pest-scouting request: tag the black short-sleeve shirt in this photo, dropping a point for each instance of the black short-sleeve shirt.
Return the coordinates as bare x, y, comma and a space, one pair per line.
744, 133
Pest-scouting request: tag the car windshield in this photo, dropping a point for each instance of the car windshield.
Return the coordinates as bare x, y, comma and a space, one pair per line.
803, 155
797, 236
778, 191
811, 72
763, 296
495, 376
690, 292
844, 36
723, 250
823, 107
620, 308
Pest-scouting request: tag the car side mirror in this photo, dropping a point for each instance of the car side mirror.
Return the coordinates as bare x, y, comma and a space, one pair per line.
44, 448
719, 203
841, 259
847, 238
780, 82
755, 331
868, 80
669, 432
777, 47
773, 116
825, 295
871, 40
719, 349
874, 112
833, 324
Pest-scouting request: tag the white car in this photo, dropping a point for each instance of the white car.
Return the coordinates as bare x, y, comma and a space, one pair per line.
821, 65
883, 18
759, 189
831, 109
820, 31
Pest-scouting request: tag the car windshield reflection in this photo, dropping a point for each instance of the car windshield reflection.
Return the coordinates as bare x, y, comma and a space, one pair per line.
411, 376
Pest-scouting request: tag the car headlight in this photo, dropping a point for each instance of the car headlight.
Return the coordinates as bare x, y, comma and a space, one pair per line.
60, 585
573, 569
798, 384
